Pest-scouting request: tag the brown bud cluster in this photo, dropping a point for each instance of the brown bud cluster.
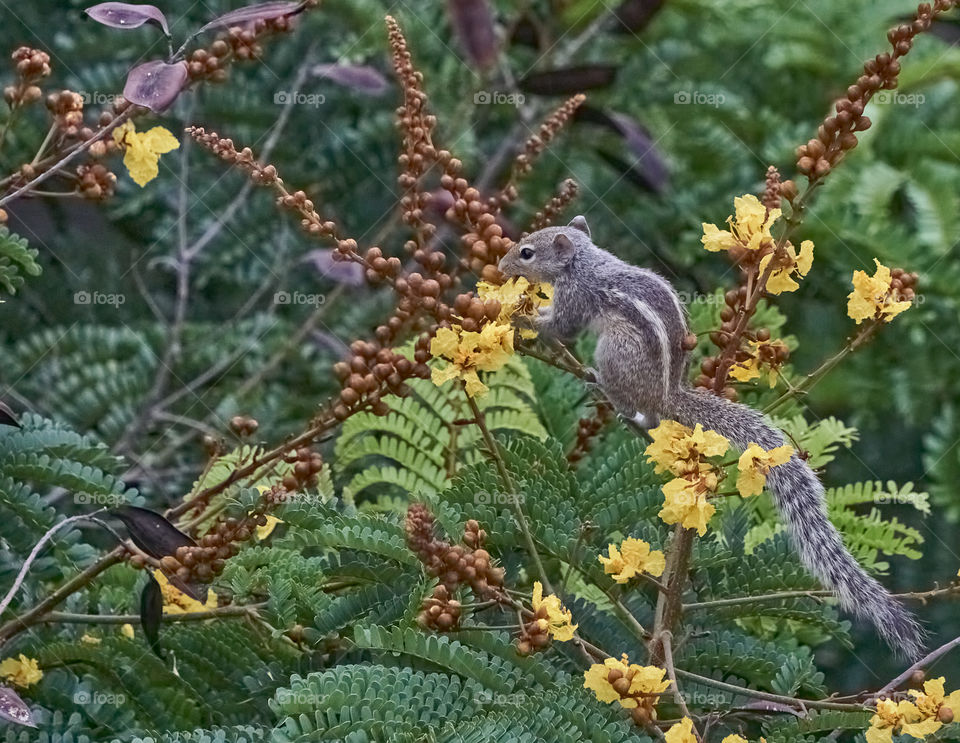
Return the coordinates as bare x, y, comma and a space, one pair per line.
838, 133
534, 634
67, 109
440, 612
95, 181
223, 147
454, 564
243, 425
771, 192
32, 65
587, 430
475, 312
903, 285
711, 375
306, 466
549, 129
373, 372
208, 64
553, 208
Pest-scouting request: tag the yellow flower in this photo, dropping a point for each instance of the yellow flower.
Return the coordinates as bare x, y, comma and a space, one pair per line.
755, 464
641, 681
633, 557
781, 279
22, 671
734, 739
679, 449
682, 732
469, 352
899, 717
142, 150
750, 229
559, 620
685, 502
763, 354
264, 531
176, 601
518, 298
873, 296
127, 631
90, 639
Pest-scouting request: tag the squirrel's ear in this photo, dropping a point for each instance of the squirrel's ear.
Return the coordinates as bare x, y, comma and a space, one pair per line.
580, 223
564, 246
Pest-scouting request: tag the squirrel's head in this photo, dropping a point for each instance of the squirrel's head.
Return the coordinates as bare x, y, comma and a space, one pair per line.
544, 255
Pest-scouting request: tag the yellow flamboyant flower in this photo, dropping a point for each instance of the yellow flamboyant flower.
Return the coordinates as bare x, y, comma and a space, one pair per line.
127, 630
685, 502
518, 298
904, 717
734, 739
470, 352
682, 732
873, 296
764, 355
142, 150
676, 447
781, 277
755, 464
22, 671
559, 620
749, 229
90, 639
642, 681
176, 601
264, 531
633, 557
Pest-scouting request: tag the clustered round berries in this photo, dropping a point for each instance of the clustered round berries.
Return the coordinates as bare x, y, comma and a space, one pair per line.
545, 217
837, 134
534, 634
243, 425
587, 430
95, 181
67, 109
549, 129
454, 564
206, 64
440, 611
373, 372
903, 285
307, 464
32, 65
475, 312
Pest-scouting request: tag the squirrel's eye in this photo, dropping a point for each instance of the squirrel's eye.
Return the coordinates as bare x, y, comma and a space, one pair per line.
526, 253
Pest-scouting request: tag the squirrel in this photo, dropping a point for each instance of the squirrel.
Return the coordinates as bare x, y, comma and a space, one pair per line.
642, 366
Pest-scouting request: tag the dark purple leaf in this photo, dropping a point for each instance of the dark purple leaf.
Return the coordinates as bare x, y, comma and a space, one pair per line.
342, 272
155, 84
634, 15
7, 416
473, 24
254, 13
362, 78
14, 709
127, 15
151, 613
648, 168
568, 80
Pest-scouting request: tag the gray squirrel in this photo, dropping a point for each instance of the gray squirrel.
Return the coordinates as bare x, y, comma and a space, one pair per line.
642, 366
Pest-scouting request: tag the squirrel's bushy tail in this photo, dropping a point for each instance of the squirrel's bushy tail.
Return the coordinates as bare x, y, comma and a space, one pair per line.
800, 500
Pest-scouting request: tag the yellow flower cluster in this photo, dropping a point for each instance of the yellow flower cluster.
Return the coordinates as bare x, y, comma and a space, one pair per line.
755, 464
749, 232
681, 450
874, 297
559, 621
470, 352
22, 671
627, 683
142, 150
176, 601
764, 356
631, 558
518, 298
926, 714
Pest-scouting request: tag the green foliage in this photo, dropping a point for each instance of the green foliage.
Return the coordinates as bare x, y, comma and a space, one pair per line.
16, 259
